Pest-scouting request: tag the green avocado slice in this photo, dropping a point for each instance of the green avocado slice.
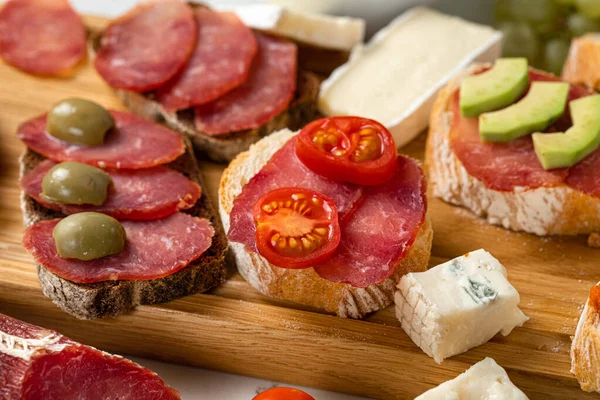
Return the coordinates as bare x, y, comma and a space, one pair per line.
544, 103
496, 88
558, 150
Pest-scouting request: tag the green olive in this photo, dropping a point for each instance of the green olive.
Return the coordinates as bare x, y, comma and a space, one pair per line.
79, 121
75, 183
88, 235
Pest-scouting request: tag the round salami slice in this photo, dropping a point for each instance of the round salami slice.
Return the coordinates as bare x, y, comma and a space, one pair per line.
134, 143
153, 249
381, 230
42, 37
221, 61
146, 47
148, 193
585, 175
268, 91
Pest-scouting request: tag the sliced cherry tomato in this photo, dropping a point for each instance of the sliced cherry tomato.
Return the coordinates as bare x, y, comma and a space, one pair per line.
283, 393
348, 149
296, 228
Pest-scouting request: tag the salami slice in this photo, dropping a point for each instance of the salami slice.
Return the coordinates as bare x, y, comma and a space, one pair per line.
134, 143
221, 61
42, 37
147, 46
268, 91
381, 230
585, 176
154, 249
38, 363
135, 194
284, 169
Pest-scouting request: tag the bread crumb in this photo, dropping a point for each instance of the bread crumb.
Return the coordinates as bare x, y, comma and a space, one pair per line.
594, 240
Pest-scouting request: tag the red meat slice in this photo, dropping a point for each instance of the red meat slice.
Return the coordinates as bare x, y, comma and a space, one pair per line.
221, 61
284, 169
135, 194
154, 249
134, 143
585, 176
381, 230
267, 92
42, 37
146, 47
36, 363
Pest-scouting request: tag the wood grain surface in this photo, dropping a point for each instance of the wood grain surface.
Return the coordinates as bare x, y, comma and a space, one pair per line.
236, 329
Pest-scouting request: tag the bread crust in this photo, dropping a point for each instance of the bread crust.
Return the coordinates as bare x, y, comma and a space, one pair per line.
558, 210
305, 286
111, 298
585, 350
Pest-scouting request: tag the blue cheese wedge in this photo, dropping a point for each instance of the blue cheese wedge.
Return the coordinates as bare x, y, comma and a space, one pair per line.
485, 380
394, 78
458, 305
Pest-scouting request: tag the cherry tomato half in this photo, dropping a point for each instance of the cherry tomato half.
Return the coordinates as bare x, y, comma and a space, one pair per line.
348, 149
283, 393
296, 228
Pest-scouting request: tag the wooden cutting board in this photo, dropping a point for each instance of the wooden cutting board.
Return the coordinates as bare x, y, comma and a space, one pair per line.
238, 330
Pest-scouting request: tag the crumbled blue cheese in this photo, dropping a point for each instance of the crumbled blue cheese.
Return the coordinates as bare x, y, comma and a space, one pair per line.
458, 305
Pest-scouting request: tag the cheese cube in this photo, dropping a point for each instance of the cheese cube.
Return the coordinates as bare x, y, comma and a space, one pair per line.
458, 305
395, 78
485, 380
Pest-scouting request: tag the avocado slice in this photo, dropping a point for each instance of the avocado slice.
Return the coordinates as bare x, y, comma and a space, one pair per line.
544, 103
496, 88
558, 150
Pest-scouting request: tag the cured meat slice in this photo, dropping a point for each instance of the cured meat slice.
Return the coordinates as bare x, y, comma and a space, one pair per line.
585, 176
135, 194
268, 91
146, 47
284, 169
153, 249
134, 143
381, 230
42, 37
37, 363
221, 61
505, 166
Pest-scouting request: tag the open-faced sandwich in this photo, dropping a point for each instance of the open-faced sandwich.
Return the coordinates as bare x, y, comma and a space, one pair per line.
207, 75
329, 217
114, 211
518, 147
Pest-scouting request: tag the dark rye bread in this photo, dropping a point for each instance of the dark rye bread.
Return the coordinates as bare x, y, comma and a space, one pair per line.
223, 148
111, 298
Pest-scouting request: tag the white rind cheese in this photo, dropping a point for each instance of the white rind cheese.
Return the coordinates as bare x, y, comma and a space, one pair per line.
458, 305
485, 380
395, 78
319, 30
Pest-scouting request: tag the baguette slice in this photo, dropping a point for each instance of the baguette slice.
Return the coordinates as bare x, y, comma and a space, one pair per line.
585, 349
582, 66
111, 298
558, 210
304, 286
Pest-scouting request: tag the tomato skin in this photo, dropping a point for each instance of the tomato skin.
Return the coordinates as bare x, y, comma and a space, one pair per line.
283, 393
296, 228
363, 151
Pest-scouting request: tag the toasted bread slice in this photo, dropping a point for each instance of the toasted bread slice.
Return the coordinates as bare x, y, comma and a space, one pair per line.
585, 349
304, 286
223, 148
558, 210
582, 66
111, 298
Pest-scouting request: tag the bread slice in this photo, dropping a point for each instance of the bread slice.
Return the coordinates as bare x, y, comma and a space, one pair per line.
585, 349
582, 66
558, 210
304, 286
223, 148
111, 298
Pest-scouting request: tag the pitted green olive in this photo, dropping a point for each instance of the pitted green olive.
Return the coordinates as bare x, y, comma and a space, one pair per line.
79, 121
88, 235
75, 183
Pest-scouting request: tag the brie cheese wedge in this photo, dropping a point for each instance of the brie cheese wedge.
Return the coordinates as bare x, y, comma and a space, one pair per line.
485, 380
458, 305
396, 76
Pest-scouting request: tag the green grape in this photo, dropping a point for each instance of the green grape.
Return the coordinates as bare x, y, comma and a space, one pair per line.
533, 11
579, 24
519, 41
555, 54
591, 8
